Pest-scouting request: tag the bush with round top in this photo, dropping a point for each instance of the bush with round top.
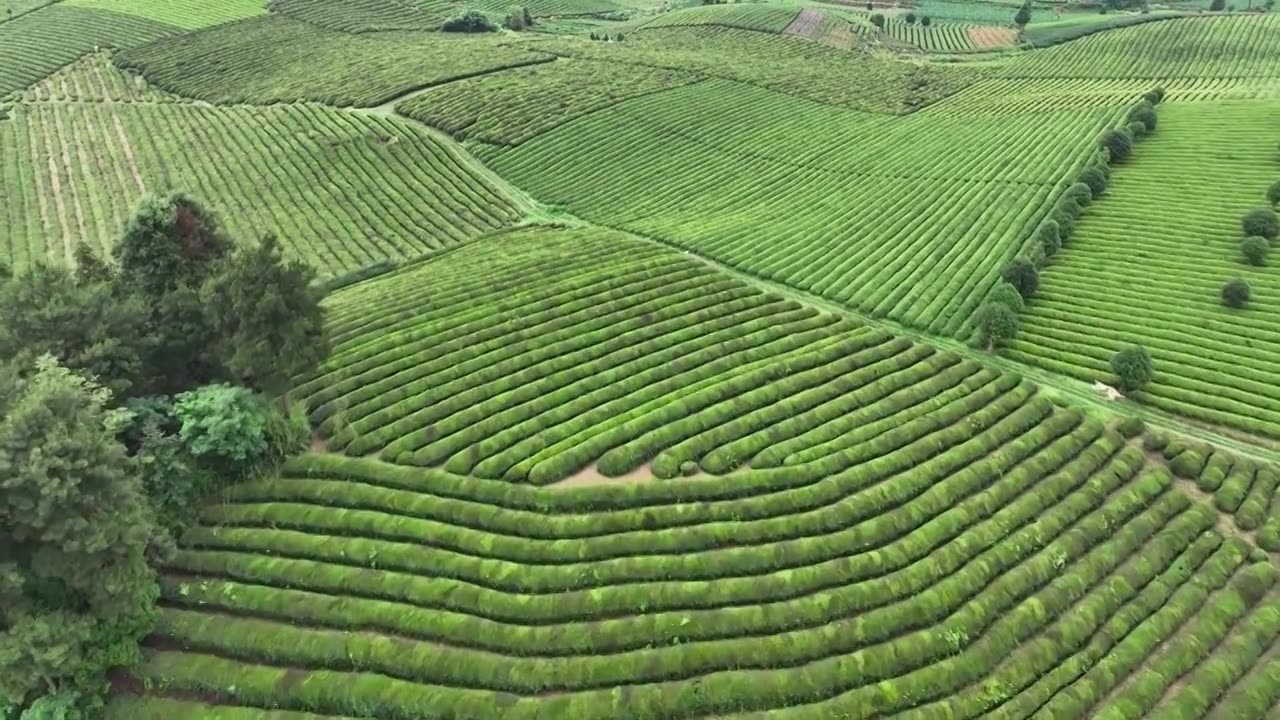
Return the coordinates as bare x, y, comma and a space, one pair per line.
1255, 248
1236, 293
997, 323
1049, 236
1261, 221
1137, 129
1007, 295
1133, 367
1080, 193
1095, 178
909, 18
925, 21
1154, 96
1273, 193
1119, 143
878, 20
1144, 113
1023, 276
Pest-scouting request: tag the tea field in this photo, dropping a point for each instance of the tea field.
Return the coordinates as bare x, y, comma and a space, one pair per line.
660, 379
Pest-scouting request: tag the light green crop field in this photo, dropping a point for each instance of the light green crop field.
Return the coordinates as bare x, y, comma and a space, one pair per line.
39, 43
1147, 261
903, 218
360, 16
276, 59
915, 534
746, 17
186, 14
73, 171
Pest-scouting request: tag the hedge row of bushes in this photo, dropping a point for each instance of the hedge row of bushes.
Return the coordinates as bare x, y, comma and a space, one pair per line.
997, 318
953, 539
1141, 639
256, 639
131, 707
512, 453
905, 670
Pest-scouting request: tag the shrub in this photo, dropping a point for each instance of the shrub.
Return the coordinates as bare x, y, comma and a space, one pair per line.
1131, 427
925, 21
1080, 193
1218, 5
1023, 276
515, 19
1236, 293
1007, 295
878, 20
222, 422
997, 323
1261, 221
1144, 113
472, 21
1095, 178
1049, 237
909, 18
870, 7
1154, 96
1255, 250
1023, 16
1133, 367
1273, 193
1136, 128
1154, 441
1119, 143
1188, 465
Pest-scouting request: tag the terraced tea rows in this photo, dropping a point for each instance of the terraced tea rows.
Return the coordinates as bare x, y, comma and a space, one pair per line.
507, 108
1146, 265
361, 16
94, 79
276, 59
1215, 47
784, 63
1013, 96
937, 37
340, 189
823, 199
933, 540
747, 17
37, 44
186, 14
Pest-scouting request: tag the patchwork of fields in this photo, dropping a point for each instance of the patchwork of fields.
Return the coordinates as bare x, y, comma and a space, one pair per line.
968, 546
660, 383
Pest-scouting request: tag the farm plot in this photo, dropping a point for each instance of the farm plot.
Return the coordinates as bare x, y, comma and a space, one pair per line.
340, 189
825, 28
360, 16
507, 108
1015, 96
560, 8
276, 59
94, 78
904, 218
914, 534
36, 44
761, 18
1237, 46
787, 64
186, 14
937, 37
1147, 262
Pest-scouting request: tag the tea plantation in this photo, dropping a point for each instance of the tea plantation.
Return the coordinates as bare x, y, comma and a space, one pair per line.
628, 360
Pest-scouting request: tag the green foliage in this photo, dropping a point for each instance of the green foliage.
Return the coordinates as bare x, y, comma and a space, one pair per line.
1023, 16
1217, 5
1095, 177
909, 18
222, 423
997, 324
1144, 113
925, 21
1262, 222
1080, 193
1131, 427
76, 592
877, 19
1023, 276
1273, 193
87, 326
1119, 144
172, 241
517, 19
1236, 293
472, 21
1048, 235
1255, 249
1154, 96
1137, 129
266, 315
1007, 295
1132, 367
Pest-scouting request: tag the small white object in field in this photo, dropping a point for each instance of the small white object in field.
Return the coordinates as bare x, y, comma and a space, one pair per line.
1107, 391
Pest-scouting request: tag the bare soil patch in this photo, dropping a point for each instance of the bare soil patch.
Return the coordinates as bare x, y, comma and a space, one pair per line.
807, 24
993, 37
589, 476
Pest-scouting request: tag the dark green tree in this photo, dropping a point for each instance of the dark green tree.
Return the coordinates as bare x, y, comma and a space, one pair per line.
1218, 5
1154, 96
90, 268
1023, 16
1262, 222
1255, 249
1023, 276
1048, 235
171, 241
1144, 113
1095, 178
1273, 193
266, 315
1005, 294
1236, 293
472, 21
86, 326
76, 592
877, 19
909, 18
528, 16
925, 21
1133, 367
1080, 193
997, 324
1119, 143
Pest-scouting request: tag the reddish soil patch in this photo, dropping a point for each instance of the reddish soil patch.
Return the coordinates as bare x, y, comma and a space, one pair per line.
591, 476
808, 24
993, 37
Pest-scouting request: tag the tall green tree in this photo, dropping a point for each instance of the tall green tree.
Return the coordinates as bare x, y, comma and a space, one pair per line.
76, 592
266, 315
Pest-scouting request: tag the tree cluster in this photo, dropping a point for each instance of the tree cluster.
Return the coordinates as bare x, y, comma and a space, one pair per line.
472, 21
518, 18
129, 390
